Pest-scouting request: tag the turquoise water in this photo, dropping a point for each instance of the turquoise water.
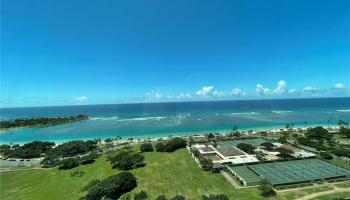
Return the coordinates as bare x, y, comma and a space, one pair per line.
180, 118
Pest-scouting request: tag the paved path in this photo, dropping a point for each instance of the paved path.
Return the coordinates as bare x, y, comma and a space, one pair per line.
230, 179
314, 195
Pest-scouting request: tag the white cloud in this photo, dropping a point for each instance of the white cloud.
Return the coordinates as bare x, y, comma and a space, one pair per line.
81, 99
310, 89
218, 94
281, 88
155, 95
261, 91
205, 91
184, 95
292, 91
238, 92
339, 86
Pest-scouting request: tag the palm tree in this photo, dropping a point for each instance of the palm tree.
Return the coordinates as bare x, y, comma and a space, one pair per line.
329, 121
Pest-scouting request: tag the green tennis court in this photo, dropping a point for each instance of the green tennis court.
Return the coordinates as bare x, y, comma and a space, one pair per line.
243, 173
289, 172
298, 171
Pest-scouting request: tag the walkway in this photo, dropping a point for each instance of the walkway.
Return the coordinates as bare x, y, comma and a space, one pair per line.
317, 194
231, 180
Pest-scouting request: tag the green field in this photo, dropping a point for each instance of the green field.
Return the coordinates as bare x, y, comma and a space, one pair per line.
165, 173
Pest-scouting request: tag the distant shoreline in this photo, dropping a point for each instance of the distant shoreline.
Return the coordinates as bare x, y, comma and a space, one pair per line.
16, 124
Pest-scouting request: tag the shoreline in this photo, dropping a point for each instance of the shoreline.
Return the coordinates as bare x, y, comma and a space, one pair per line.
138, 139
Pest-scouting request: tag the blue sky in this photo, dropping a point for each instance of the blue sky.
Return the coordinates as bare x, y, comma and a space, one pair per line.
88, 52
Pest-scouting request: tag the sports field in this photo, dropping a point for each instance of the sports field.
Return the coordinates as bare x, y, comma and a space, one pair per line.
165, 173
298, 171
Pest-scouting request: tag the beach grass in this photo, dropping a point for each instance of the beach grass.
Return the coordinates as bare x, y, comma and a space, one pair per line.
165, 173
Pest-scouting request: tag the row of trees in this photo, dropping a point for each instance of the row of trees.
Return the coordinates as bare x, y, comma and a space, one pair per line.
30, 150
127, 160
171, 145
68, 149
142, 195
40, 121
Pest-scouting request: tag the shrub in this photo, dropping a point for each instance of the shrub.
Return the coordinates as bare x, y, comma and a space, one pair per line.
248, 148
266, 189
146, 147
215, 197
70, 163
178, 197
206, 163
161, 197
160, 146
284, 153
93, 182
140, 196
326, 155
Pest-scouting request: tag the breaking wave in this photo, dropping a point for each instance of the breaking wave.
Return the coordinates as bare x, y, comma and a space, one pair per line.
141, 119
348, 110
281, 111
245, 113
104, 118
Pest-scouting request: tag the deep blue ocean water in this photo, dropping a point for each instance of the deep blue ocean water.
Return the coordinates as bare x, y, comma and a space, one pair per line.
179, 118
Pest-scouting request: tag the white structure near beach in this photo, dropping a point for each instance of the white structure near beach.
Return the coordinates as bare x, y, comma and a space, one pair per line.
225, 155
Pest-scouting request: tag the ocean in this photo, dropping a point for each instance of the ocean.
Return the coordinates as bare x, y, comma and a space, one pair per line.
152, 120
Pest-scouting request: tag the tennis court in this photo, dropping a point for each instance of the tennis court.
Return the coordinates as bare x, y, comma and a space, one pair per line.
298, 171
243, 173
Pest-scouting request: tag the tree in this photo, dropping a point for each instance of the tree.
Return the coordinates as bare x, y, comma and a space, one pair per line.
146, 147
248, 148
344, 131
260, 155
171, 145
160, 146
206, 163
282, 139
284, 153
195, 152
342, 122
266, 189
4, 148
268, 146
326, 155
127, 160
140, 196
112, 187
91, 158
161, 197
108, 140
178, 197
70, 163
210, 136
318, 133
30, 150
215, 197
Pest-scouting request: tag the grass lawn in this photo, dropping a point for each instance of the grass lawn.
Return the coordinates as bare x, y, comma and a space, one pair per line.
165, 173
345, 195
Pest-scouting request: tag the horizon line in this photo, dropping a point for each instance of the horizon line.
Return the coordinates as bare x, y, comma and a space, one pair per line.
189, 101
